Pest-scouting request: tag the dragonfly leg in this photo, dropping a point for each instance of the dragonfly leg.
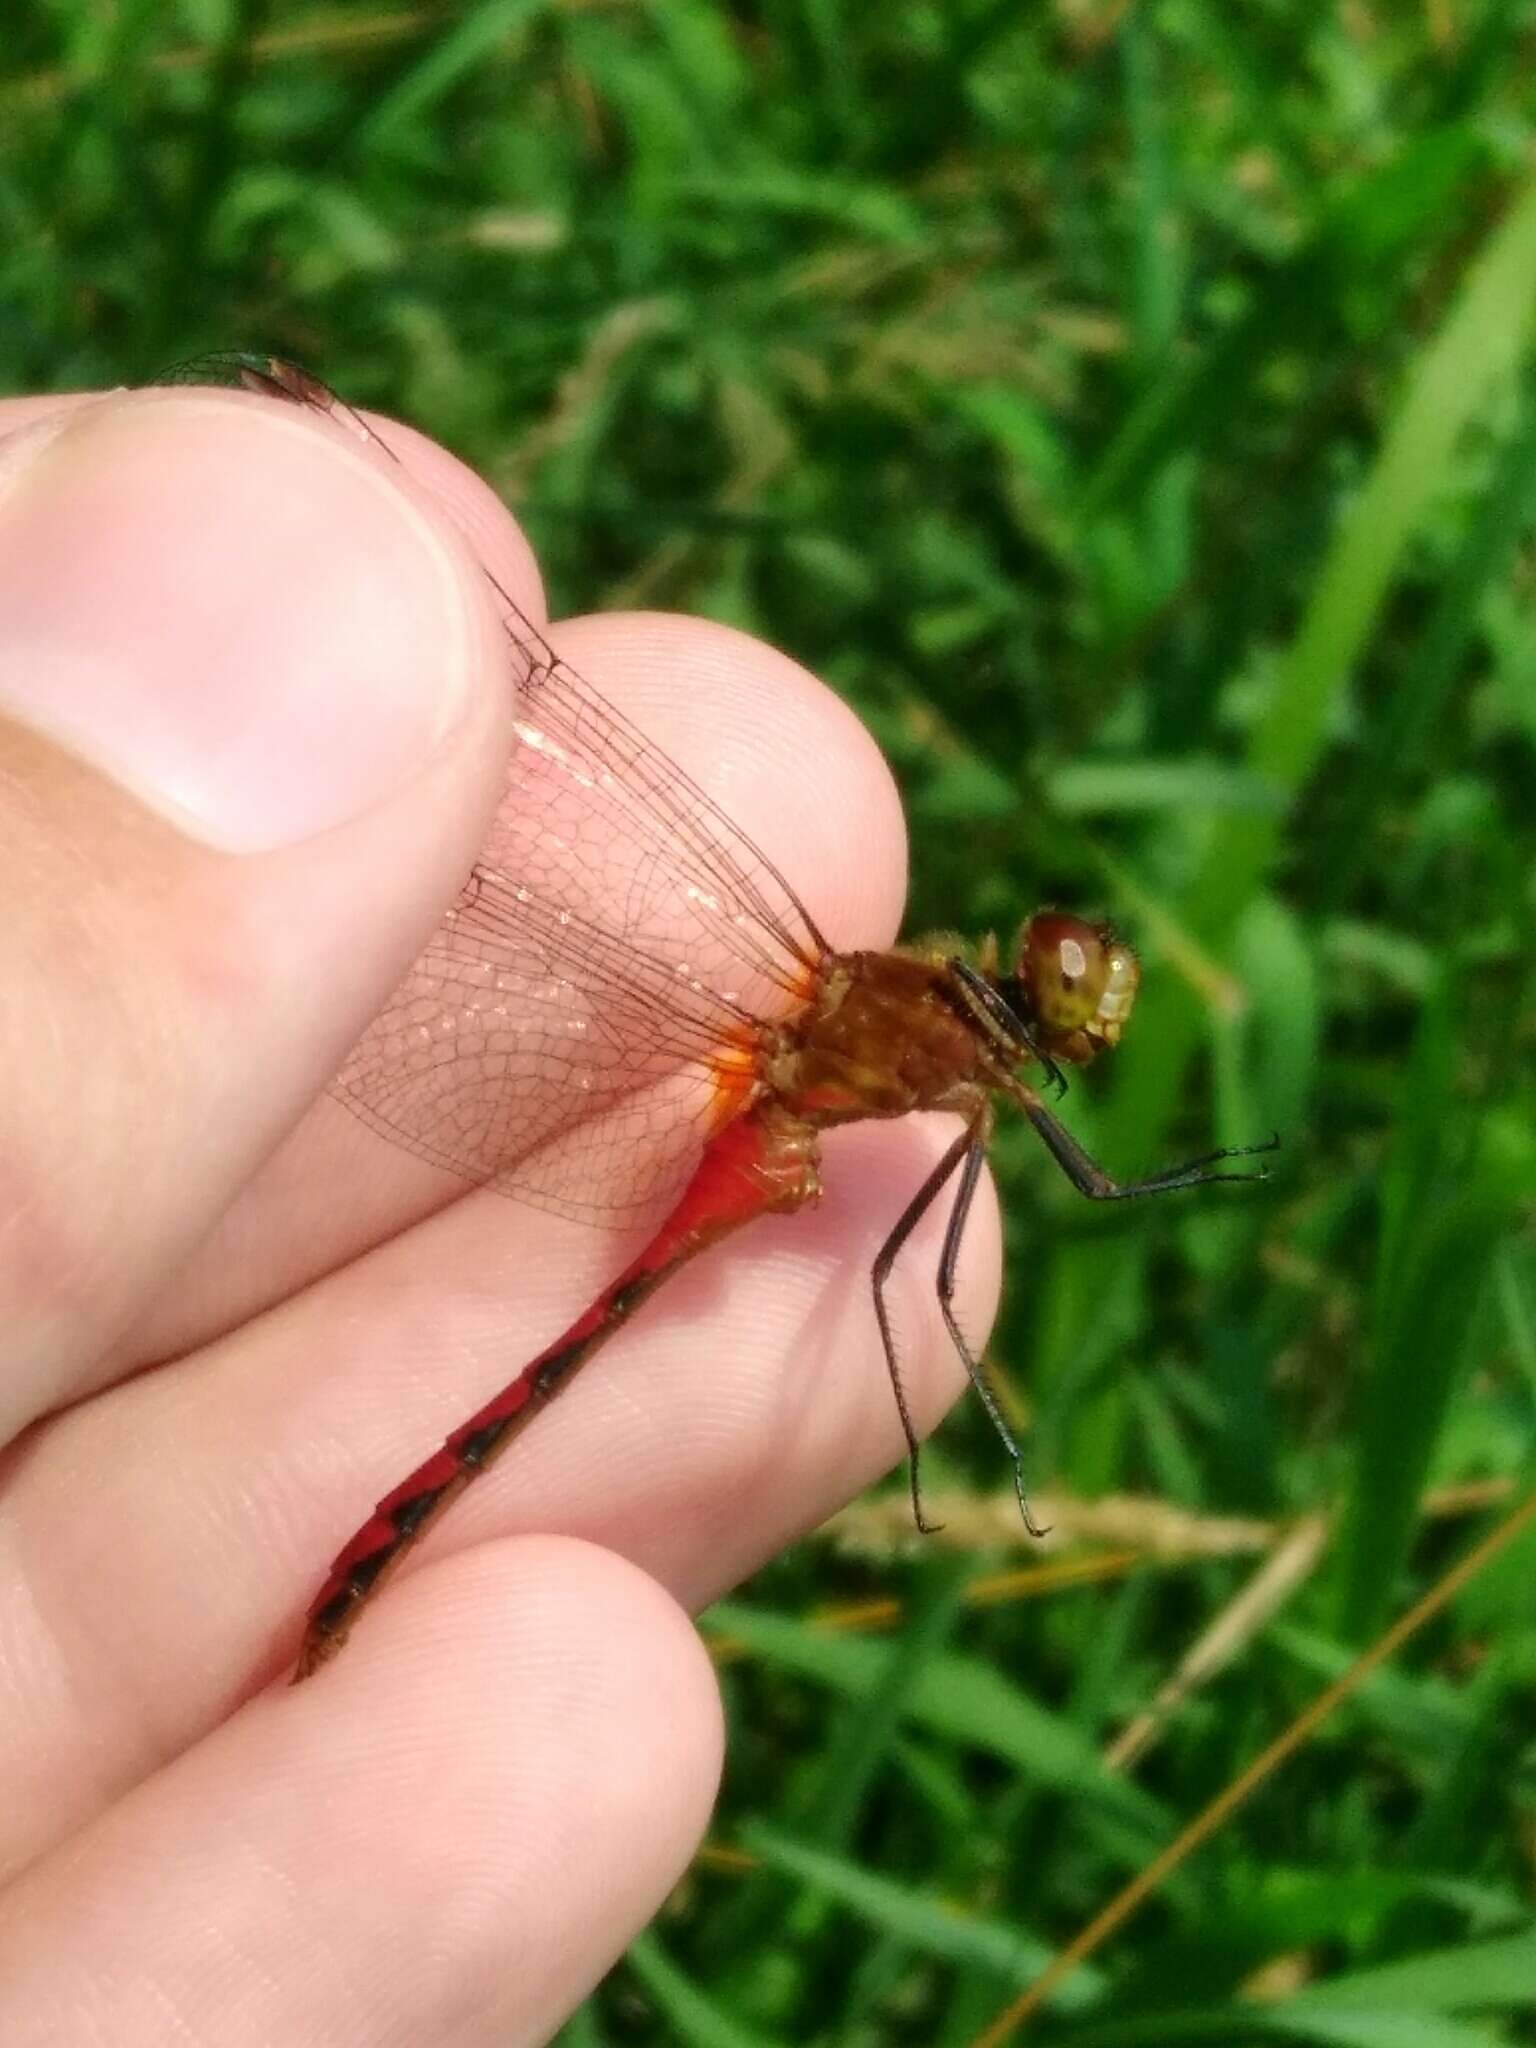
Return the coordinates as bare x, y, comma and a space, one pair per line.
949, 1259
1090, 1179
964, 1156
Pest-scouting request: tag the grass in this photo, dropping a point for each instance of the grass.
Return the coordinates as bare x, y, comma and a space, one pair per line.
1133, 412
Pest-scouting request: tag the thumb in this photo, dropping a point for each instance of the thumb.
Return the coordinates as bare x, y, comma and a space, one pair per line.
254, 717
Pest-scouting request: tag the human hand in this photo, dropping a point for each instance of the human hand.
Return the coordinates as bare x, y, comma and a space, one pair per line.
254, 711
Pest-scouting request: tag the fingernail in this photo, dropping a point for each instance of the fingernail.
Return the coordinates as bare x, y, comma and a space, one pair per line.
244, 621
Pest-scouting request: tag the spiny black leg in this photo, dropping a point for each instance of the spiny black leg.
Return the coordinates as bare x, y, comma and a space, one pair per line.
1049, 1067
1090, 1179
1001, 1005
880, 1272
1053, 1073
949, 1259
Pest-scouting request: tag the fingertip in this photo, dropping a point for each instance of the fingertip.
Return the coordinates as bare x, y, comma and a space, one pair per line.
781, 754
495, 538
587, 1656
451, 1833
547, 1716
262, 707
235, 613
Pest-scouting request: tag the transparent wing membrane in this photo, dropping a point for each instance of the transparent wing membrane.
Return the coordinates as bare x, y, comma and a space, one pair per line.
618, 933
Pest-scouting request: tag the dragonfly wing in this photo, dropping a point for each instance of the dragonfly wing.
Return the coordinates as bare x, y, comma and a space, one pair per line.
590, 1003
529, 1047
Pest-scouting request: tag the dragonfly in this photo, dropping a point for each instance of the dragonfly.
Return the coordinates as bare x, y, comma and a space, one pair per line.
628, 1013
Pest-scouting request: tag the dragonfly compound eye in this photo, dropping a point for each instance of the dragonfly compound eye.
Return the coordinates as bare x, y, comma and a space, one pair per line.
1081, 982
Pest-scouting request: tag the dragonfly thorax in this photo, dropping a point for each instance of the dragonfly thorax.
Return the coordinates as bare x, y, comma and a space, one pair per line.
885, 1033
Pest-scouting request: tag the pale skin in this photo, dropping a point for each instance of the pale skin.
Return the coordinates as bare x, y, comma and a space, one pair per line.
230, 1316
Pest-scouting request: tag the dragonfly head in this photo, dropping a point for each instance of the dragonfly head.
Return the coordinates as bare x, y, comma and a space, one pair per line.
1075, 983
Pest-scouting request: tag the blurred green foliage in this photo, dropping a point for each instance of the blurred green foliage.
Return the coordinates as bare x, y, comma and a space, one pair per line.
1132, 410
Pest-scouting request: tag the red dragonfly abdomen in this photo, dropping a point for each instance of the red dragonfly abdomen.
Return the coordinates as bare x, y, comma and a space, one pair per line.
758, 1163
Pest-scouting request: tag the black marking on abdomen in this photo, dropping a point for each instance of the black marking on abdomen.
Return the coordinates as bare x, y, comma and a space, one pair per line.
480, 1443
408, 1517
361, 1575
557, 1365
624, 1300
330, 1617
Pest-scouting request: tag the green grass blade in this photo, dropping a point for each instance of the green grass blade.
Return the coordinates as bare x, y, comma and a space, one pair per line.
694, 2020
1484, 337
956, 1697
947, 1932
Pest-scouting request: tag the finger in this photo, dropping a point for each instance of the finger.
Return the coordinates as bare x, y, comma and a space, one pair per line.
253, 713
775, 749
469, 502
747, 1401
830, 789
516, 1825
16, 413
436, 1322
